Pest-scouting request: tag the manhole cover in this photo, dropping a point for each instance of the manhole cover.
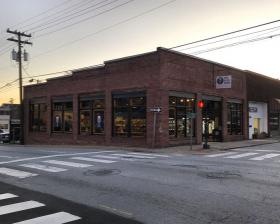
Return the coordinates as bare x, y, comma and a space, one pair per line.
102, 172
219, 175
186, 165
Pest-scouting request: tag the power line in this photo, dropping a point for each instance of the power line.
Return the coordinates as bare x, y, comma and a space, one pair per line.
59, 13
272, 29
235, 44
225, 34
63, 17
85, 19
106, 28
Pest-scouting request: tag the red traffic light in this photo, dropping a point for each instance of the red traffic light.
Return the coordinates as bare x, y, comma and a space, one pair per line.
200, 104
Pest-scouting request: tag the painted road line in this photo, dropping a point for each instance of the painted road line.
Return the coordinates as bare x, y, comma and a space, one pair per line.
7, 209
242, 155
8, 157
148, 154
113, 157
64, 163
57, 218
16, 173
267, 156
51, 169
266, 150
94, 160
53, 156
7, 196
134, 156
221, 154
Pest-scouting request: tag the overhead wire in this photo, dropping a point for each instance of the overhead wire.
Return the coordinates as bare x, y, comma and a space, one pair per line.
85, 19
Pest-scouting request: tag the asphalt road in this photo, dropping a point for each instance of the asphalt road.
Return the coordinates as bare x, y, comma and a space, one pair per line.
241, 186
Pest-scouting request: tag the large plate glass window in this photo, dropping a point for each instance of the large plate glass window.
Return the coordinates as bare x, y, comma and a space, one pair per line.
92, 114
180, 123
62, 116
235, 118
129, 114
38, 117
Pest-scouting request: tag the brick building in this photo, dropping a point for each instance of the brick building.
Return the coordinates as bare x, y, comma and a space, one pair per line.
111, 104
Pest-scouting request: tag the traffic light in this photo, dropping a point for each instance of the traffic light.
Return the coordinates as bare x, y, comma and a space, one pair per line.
200, 104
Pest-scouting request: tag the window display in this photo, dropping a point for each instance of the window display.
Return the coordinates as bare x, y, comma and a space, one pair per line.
92, 114
129, 115
180, 124
62, 116
38, 117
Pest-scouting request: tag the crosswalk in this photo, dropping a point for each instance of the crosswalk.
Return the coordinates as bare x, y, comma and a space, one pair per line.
54, 165
251, 156
22, 206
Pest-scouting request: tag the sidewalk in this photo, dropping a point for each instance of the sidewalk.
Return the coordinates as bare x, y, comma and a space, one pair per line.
216, 146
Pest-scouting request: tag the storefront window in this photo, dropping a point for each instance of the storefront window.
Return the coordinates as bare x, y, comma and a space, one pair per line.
274, 121
62, 116
129, 115
38, 117
235, 117
92, 115
180, 123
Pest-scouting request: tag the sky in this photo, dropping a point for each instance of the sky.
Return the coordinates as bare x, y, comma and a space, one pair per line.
79, 33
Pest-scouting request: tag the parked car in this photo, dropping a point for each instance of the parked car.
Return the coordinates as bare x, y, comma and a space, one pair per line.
4, 136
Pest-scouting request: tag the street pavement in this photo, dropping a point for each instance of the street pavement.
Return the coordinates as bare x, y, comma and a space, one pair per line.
234, 186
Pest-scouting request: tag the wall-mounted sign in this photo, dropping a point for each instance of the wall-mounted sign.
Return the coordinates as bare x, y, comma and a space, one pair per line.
223, 82
253, 109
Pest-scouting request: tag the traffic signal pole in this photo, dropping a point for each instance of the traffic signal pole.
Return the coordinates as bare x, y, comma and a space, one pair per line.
20, 43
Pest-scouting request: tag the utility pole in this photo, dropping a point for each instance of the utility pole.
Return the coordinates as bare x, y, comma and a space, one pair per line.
18, 57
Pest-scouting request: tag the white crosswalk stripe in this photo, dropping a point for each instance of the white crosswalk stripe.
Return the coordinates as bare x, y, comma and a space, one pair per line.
93, 160
242, 155
51, 169
221, 154
7, 196
57, 218
71, 164
147, 154
267, 156
16, 173
7, 209
133, 156
114, 158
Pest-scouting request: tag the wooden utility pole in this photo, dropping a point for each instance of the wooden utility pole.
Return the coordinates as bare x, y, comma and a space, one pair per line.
18, 58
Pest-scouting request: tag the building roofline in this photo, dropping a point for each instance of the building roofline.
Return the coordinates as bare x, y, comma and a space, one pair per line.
129, 57
198, 58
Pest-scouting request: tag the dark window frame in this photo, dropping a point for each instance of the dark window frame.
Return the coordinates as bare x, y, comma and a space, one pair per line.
130, 98
64, 109
93, 109
176, 104
40, 116
235, 118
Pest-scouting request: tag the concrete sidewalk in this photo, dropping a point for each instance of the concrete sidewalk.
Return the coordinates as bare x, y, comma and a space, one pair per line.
217, 146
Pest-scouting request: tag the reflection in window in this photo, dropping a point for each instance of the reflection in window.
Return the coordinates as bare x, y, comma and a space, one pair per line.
62, 116
180, 124
38, 117
234, 123
129, 115
92, 116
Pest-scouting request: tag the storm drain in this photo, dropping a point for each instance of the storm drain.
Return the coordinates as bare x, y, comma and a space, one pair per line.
102, 172
220, 175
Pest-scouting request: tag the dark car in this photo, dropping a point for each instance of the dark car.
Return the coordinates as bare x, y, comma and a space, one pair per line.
4, 136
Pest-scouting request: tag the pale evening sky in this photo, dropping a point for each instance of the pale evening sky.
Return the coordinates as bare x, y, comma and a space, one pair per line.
78, 33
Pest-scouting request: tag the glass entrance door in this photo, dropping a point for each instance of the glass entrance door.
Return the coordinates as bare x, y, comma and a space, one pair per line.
212, 114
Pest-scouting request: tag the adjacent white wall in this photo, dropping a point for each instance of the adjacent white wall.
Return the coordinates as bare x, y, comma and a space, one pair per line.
261, 113
5, 119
